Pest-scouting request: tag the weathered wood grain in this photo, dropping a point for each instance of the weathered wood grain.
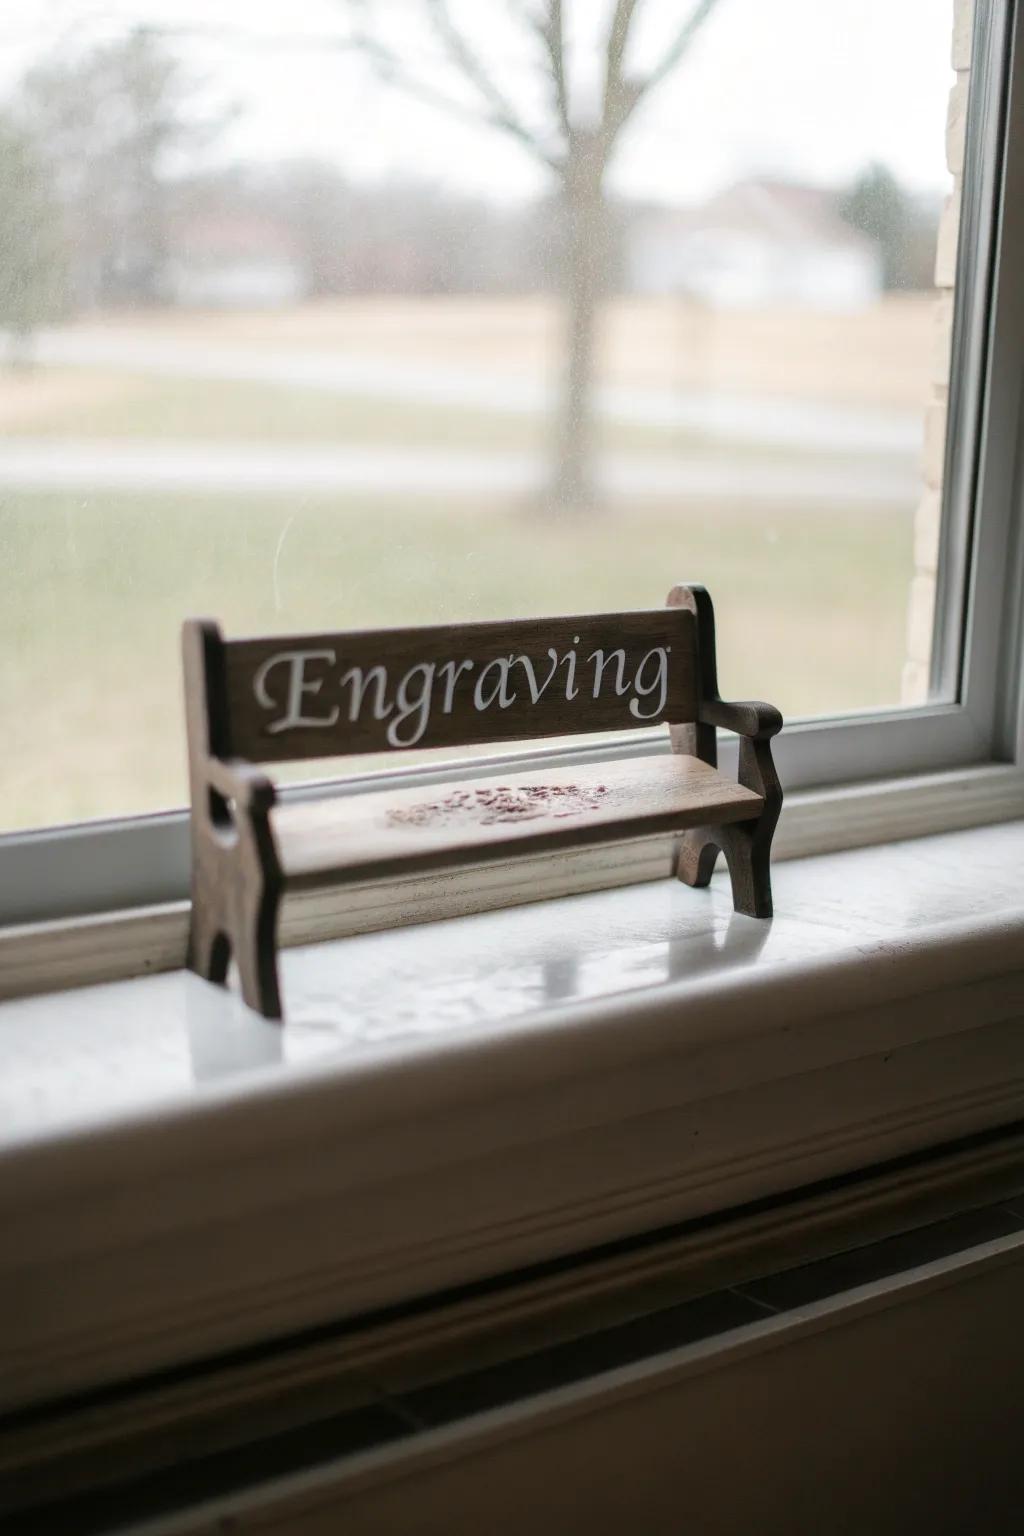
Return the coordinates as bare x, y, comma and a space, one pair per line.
453, 685
290, 698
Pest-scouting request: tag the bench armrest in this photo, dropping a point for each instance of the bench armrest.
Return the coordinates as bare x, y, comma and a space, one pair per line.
250, 789
747, 718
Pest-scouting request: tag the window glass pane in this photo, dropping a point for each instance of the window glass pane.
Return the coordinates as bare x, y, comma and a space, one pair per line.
318, 316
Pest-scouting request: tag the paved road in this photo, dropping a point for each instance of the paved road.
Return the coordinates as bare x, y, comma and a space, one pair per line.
255, 469
806, 424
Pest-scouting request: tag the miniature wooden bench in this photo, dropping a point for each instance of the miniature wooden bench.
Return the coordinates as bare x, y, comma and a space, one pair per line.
315, 696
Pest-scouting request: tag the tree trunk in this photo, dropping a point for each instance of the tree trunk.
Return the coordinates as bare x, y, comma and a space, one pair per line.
20, 355
574, 487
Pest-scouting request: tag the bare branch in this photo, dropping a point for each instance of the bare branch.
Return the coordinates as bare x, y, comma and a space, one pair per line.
618, 92
622, 94
391, 70
618, 37
676, 52
550, 28
500, 112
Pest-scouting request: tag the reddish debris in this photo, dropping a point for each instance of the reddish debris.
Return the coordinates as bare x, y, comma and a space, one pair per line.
492, 804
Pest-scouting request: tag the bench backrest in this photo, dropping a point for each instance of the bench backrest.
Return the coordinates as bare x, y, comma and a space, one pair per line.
285, 698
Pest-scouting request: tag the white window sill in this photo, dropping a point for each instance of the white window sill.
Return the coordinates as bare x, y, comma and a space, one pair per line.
455, 1100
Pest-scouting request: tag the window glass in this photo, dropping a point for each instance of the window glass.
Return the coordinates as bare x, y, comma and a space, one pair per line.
351, 314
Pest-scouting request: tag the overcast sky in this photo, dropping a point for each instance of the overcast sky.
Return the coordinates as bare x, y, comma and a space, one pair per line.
809, 89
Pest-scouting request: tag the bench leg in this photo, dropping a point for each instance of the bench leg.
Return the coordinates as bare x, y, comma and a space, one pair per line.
209, 947
747, 845
236, 876
236, 893
698, 856
256, 948
748, 856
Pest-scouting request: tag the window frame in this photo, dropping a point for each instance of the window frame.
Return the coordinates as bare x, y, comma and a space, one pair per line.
137, 862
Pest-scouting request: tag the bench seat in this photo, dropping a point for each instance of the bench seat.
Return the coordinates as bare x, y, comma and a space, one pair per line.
475, 821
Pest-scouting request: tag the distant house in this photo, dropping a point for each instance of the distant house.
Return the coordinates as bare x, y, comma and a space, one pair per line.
760, 242
233, 261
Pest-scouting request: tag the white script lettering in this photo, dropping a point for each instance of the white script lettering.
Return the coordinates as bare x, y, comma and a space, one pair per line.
412, 700
455, 670
500, 689
601, 661
379, 678
531, 676
659, 681
297, 688
417, 708
570, 669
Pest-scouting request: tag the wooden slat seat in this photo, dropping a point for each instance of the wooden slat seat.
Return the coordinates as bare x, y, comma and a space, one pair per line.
474, 821
274, 699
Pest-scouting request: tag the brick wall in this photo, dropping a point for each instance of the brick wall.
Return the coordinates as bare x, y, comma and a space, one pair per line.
921, 608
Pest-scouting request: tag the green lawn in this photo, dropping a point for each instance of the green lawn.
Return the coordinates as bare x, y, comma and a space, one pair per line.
89, 403
146, 406
811, 606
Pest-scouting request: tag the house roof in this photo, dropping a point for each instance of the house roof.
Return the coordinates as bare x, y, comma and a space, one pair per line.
230, 237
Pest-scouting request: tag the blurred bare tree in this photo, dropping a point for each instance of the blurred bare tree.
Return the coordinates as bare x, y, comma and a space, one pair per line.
32, 263
575, 142
904, 226
107, 124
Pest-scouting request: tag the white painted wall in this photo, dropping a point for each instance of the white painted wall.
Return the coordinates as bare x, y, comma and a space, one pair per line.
256, 283
733, 269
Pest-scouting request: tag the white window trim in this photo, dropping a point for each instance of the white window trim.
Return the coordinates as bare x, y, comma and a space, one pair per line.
107, 946
364, 1177
869, 777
